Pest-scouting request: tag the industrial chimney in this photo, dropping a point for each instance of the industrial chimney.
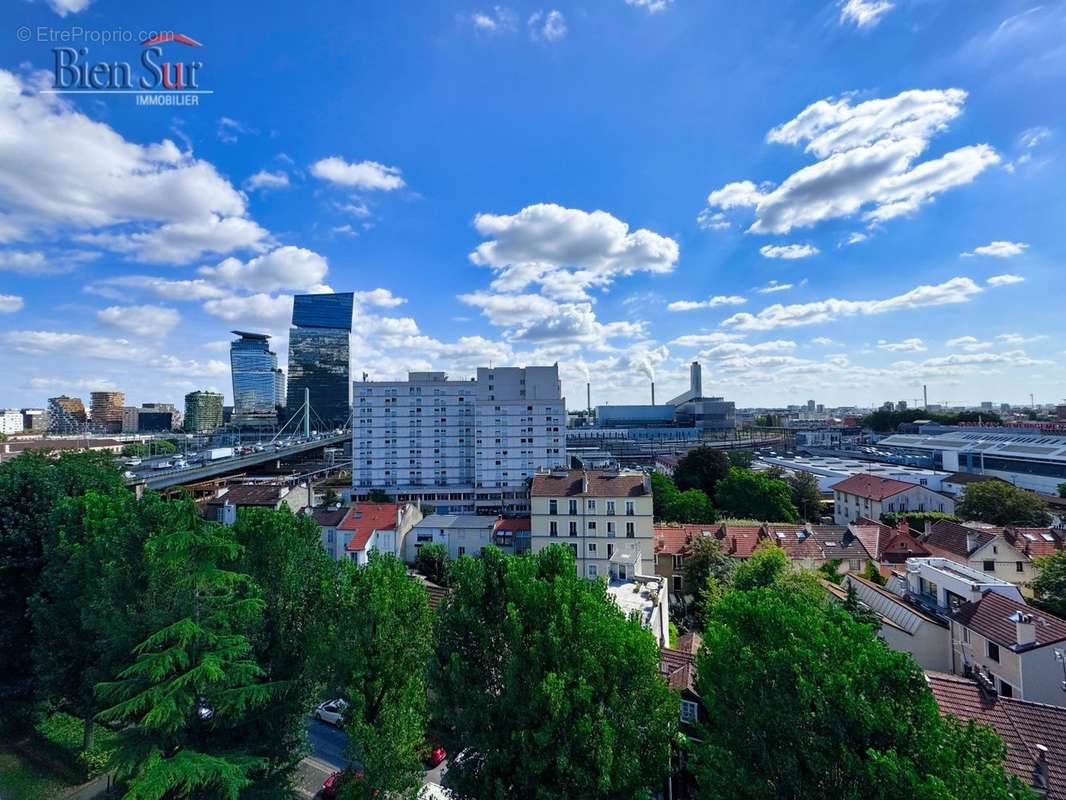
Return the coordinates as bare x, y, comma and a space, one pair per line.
695, 379
588, 395
925, 396
653, 392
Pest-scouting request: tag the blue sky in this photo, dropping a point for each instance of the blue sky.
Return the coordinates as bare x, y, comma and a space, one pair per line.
829, 200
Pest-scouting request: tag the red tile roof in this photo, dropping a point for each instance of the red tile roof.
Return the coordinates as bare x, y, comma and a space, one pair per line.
1032, 541
589, 483
872, 487
885, 543
514, 524
678, 668
1020, 724
991, 617
951, 540
363, 519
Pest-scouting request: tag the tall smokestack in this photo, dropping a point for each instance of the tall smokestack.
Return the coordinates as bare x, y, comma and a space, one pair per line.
653, 392
695, 379
925, 396
588, 394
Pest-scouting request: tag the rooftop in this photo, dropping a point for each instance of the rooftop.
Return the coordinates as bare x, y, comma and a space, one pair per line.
363, 519
590, 483
995, 617
873, 487
446, 521
951, 538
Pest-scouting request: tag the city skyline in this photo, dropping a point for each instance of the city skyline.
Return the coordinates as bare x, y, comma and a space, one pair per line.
841, 201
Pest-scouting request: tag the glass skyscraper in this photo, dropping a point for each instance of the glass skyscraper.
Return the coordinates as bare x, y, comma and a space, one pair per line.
254, 367
320, 351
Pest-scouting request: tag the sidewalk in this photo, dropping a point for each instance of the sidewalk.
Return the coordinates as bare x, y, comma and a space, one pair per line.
97, 787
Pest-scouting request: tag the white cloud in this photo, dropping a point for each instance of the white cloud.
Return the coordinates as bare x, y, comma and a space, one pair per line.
651, 6
547, 27
864, 13
284, 268
868, 154
182, 242
645, 359
111, 182
728, 350
1004, 280
1017, 338
566, 250
267, 180
700, 339
774, 286
539, 320
999, 249
230, 130
379, 297
43, 343
261, 310
712, 220
64, 7
788, 251
35, 263
1031, 137
146, 321
497, 20
714, 302
907, 345
10, 303
355, 208
365, 175
856, 238
197, 289
956, 290
822, 341
971, 344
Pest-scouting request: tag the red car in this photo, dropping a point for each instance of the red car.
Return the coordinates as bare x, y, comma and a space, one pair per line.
331, 786
435, 754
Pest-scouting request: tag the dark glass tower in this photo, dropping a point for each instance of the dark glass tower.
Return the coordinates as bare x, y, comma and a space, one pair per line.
254, 367
320, 351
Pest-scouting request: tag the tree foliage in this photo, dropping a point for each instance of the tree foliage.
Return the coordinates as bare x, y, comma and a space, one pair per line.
806, 496
804, 702
382, 645
1049, 585
741, 458
672, 505
884, 421
554, 690
1062, 489
916, 519
744, 494
1001, 503
157, 447
432, 561
701, 468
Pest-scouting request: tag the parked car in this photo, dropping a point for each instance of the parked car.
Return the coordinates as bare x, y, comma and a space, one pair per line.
435, 753
331, 711
133, 462
331, 786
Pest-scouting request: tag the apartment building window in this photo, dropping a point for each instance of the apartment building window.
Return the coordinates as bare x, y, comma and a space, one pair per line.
1005, 689
592, 506
630, 532
329, 537
679, 562
630, 510
1019, 566
573, 528
689, 711
553, 506
989, 566
610, 530
462, 552
966, 635
992, 651
610, 506
573, 506
610, 550
592, 527
553, 528
592, 548
592, 571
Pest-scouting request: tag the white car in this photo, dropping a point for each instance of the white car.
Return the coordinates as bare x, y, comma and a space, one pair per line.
133, 462
128, 475
331, 711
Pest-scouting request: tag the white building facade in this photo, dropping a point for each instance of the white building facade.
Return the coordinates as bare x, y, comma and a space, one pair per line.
462, 446
10, 421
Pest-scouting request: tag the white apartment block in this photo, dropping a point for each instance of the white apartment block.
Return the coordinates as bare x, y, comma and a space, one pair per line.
10, 421
604, 516
462, 446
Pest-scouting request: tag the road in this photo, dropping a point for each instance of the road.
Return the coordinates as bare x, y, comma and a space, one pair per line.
327, 756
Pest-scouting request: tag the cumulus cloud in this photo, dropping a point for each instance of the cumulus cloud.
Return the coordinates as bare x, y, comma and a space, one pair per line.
64, 7
540, 320
729, 350
1004, 280
1017, 338
788, 251
701, 339
267, 180
907, 345
34, 263
864, 13
182, 242
380, 297
547, 27
956, 290
146, 321
284, 268
112, 181
645, 359
196, 289
44, 343
712, 220
713, 302
566, 250
651, 6
365, 175
261, 310
868, 162
999, 250
10, 303
498, 19
970, 344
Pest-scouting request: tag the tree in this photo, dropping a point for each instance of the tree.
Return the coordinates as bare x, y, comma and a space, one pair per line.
378, 496
381, 645
916, 519
432, 561
1050, 583
31, 486
554, 690
802, 702
708, 569
701, 468
806, 496
764, 567
295, 642
181, 704
744, 494
873, 574
671, 505
331, 498
156, 447
1002, 503
1062, 489
858, 610
741, 458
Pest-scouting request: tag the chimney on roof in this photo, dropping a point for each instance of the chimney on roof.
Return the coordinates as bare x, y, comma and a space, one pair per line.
1041, 777
985, 685
928, 526
971, 540
733, 544
902, 525
1024, 628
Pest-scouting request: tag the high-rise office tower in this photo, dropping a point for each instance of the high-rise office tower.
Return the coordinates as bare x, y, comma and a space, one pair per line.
254, 368
203, 411
106, 410
320, 351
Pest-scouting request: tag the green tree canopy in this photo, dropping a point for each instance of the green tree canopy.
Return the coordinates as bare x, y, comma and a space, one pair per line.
31, 487
744, 494
806, 496
708, 570
157, 447
1050, 584
432, 561
1002, 503
762, 568
672, 505
555, 691
803, 702
701, 468
382, 644
741, 458
1062, 489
